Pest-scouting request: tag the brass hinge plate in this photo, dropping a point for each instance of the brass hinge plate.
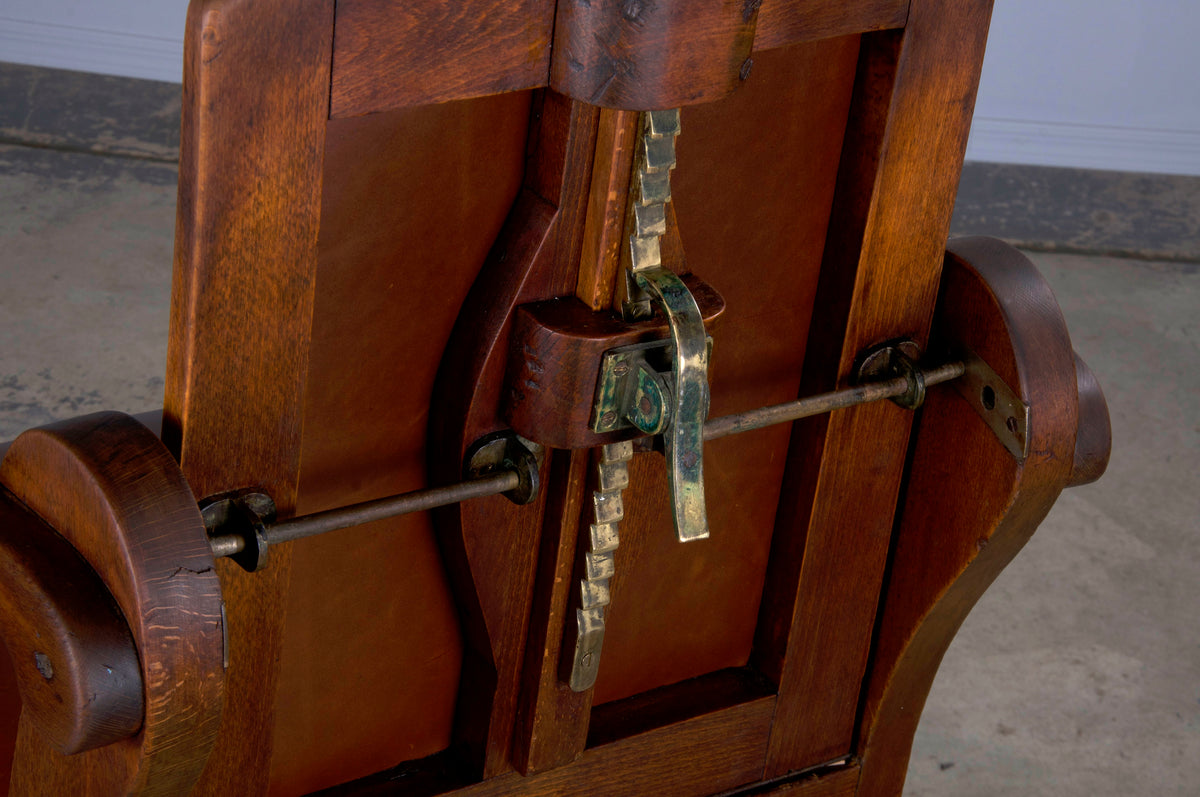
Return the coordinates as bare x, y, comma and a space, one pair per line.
1001, 409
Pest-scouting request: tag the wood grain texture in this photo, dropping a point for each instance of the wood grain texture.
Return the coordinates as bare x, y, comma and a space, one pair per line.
256, 100
562, 145
552, 720
650, 55
111, 489
909, 118
781, 23
712, 753
604, 226
665, 706
390, 54
10, 715
369, 675
839, 781
74, 658
666, 759
491, 546
969, 505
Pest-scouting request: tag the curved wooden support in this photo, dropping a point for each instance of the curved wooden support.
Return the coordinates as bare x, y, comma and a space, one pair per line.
110, 488
970, 505
490, 546
651, 55
74, 659
1093, 442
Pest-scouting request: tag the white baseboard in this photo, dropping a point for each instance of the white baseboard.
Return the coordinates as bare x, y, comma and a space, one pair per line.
89, 50
1126, 149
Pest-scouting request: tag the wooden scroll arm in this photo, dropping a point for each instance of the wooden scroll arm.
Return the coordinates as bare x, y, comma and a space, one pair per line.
72, 653
970, 505
106, 557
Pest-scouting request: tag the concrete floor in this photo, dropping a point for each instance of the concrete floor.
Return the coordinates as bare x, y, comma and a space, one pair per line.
1078, 673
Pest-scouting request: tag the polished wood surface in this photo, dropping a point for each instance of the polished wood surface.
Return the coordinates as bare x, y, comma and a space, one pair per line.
491, 546
386, 290
604, 226
382, 57
241, 310
782, 23
109, 487
74, 658
606, 52
969, 505
1093, 444
554, 355
879, 277
620, 54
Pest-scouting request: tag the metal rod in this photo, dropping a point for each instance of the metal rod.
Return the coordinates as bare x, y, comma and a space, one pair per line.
368, 511
417, 501
504, 481
226, 545
825, 402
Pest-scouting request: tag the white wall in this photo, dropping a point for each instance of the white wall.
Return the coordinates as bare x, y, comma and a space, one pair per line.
134, 38
1107, 84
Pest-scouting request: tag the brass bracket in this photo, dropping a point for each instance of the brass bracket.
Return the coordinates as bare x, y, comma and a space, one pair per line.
634, 389
1001, 409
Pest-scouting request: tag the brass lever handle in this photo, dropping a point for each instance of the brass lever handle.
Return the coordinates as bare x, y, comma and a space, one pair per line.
684, 437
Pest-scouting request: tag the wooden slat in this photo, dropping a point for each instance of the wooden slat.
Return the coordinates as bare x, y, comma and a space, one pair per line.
841, 781
649, 55
398, 53
781, 23
256, 94
491, 546
909, 119
395, 54
604, 226
552, 720
705, 755
716, 752
969, 505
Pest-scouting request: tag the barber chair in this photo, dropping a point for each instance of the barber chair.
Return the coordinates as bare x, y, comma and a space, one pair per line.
568, 397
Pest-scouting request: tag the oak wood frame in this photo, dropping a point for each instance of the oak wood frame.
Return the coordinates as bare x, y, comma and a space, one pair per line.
248, 216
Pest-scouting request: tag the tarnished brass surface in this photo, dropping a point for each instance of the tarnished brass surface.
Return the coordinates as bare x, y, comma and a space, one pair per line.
647, 213
612, 476
1001, 409
684, 438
